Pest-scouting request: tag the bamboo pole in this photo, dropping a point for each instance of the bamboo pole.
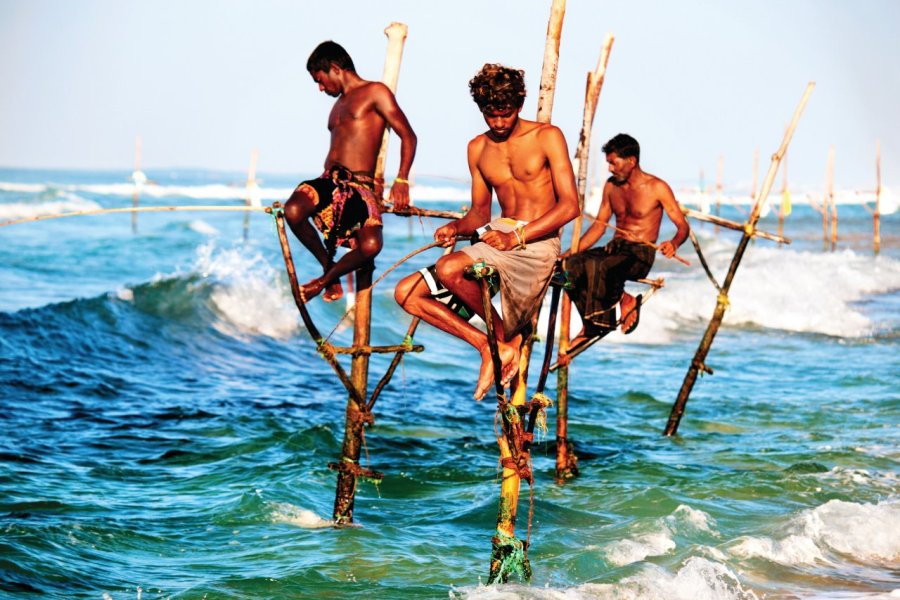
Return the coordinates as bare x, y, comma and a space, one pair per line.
719, 168
359, 372
139, 179
829, 185
697, 364
566, 461
696, 214
876, 216
784, 192
508, 554
251, 193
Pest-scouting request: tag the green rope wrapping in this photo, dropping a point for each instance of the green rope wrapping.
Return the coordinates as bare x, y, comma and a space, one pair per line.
541, 420
508, 556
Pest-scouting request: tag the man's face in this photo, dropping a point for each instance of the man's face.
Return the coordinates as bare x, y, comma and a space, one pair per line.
620, 168
501, 122
328, 82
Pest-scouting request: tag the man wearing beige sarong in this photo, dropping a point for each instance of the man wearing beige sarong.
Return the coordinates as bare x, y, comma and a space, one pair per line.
527, 164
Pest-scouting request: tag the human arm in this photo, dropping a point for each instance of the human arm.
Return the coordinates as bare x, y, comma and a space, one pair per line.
480, 211
601, 222
670, 205
386, 105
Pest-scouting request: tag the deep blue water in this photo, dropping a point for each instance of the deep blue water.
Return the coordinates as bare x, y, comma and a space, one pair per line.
166, 424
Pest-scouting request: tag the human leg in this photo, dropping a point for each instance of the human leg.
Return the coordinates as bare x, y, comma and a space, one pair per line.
369, 242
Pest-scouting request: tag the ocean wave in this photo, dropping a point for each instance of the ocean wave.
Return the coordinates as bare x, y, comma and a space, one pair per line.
24, 210
862, 531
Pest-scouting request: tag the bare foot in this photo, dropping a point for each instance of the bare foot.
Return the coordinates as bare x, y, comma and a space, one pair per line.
629, 314
509, 357
311, 289
333, 292
486, 375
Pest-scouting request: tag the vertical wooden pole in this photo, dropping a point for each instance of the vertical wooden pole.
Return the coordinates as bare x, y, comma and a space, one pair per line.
876, 216
697, 364
251, 193
359, 371
139, 179
719, 167
831, 200
507, 551
566, 461
784, 192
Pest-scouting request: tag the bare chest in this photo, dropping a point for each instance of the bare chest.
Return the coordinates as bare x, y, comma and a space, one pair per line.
634, 204
350, 111
521, 161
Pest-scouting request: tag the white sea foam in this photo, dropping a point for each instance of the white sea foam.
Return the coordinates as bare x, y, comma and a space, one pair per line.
625, 552
203, 227
282, 512
864, 531
27, 188
697, 579
24, 210
686, 518
248, 295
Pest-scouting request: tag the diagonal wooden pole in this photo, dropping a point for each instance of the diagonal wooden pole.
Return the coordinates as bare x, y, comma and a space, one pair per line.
697, 364
566, 462
356, 413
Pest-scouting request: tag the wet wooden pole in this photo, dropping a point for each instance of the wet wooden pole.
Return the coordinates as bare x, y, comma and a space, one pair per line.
698, 364
359, 372
785, 197
138, 179
876, 216
251, 192
566, 461
832, 205
508, 553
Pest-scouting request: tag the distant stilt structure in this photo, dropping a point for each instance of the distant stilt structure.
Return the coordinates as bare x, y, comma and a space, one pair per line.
348, 469
719, 168
139, 179
876, 216
252, 191
509, 554
566, 461
698, 364
829, 192
784, 208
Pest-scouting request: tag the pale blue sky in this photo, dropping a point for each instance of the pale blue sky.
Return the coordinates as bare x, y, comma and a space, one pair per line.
204, 82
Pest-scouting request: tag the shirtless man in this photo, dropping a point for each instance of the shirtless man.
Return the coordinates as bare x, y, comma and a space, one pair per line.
342, 201
527, 164
638, 200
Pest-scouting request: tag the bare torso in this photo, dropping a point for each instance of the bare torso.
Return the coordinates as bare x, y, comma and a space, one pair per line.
356, 129
638, 207
519, 172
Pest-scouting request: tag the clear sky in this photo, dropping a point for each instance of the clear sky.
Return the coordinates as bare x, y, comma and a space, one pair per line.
204, 82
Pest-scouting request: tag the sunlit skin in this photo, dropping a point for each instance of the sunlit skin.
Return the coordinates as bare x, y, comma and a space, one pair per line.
357, 122
527, 165
638, 201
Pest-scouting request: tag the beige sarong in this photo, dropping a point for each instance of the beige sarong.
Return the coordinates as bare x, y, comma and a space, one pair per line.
524, 274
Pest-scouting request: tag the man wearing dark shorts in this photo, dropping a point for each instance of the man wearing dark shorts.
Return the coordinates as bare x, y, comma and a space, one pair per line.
343, 203
638, 201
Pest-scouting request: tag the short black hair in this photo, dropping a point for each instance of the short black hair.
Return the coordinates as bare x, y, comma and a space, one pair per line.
496, 87
329, 53
625, 146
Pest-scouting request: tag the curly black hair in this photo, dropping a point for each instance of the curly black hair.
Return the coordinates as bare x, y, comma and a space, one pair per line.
496, 88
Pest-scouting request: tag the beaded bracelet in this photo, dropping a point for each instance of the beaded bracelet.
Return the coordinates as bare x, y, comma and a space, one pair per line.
520, 235
401, 180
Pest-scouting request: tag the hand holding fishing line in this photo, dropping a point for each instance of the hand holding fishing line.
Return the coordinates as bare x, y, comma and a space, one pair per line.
663, 248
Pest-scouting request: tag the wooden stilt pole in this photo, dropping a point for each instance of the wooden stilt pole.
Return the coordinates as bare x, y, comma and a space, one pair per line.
784, 195
831, 202
697, 364
876, 216
251, 194
719, 167
507, 552
139, 179
566, 462
359, 372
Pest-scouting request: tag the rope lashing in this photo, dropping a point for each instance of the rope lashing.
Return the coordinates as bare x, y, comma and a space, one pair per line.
353, 468
508, 557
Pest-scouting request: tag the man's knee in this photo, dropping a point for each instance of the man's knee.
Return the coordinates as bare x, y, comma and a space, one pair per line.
405, 292
369, 242
450, 268
298, 207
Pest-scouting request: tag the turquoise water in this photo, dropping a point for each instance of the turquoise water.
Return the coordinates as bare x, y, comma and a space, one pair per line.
166, 424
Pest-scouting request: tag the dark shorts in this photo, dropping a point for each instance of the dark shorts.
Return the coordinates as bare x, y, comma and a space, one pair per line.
597, 277
445, 296
344, 203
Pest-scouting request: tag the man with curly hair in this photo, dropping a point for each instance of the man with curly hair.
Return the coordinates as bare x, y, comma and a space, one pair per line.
342, 201
527, 164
